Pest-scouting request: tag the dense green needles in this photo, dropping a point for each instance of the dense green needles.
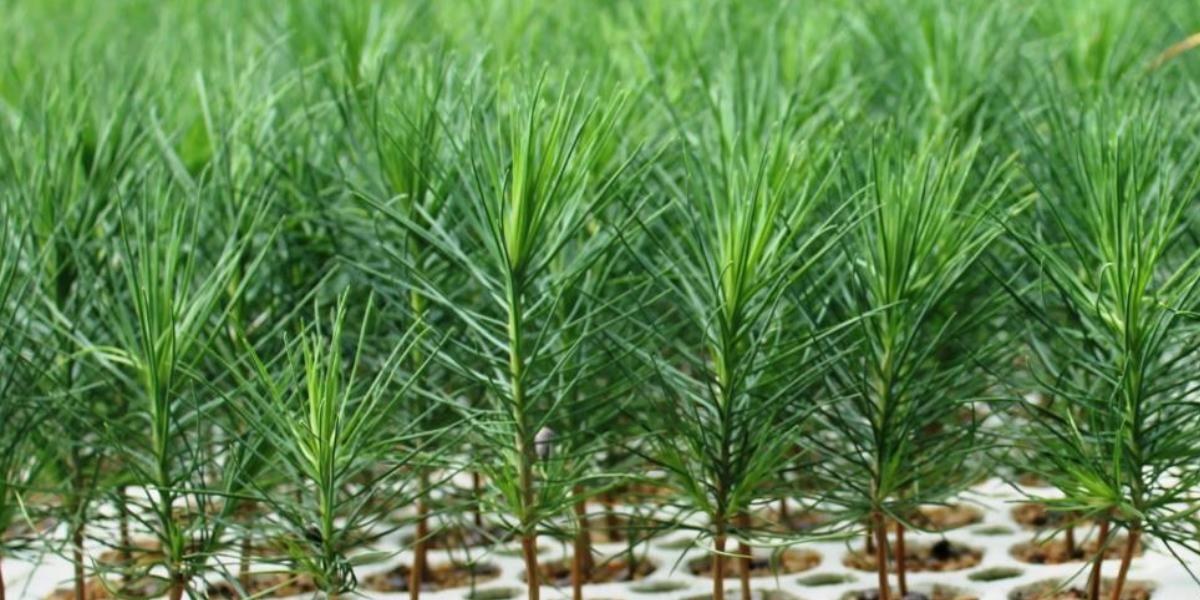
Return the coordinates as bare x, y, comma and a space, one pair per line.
340, 297
1117, 296
742, 227
907, 386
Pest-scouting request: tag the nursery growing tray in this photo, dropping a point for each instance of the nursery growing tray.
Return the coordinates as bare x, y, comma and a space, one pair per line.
997, 575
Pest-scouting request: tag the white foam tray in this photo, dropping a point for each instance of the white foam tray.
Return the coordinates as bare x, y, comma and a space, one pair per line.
34, 580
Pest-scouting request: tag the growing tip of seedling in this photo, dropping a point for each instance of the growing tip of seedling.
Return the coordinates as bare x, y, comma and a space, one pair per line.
544, 442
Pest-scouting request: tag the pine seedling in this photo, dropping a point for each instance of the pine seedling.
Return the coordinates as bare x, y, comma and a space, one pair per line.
407, 171
175, 288
742, 225
339, 434
902, 421
20, 359
65, 163
1115, 253
528, 197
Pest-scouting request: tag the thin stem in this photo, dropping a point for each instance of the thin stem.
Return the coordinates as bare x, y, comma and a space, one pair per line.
533, 579
1070, 538
743, 523
580, 569
1126, 558
77, 536
1094, 591
900, 560
612, 527
178, 588
885, 591
477, 488
718, 572
526, 452
420, 570
78, 524
125, 541
244, 563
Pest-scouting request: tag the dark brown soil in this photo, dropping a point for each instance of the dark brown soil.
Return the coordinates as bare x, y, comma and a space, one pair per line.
610, 528
1054, 551
1045, 590
457, 536
755, 594
1032, 480
937, 593
441, 576
938, 557
945, 518
558, 572
790, 561
797, 521
639, 491
96, 590
275, 585
1036, 516
21, 530
143, 552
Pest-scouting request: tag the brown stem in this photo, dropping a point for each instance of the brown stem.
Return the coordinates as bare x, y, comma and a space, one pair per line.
178, 588
420, 570
77, 560
900, 560
743, 524
610, 517
885, 591
631, 565
529, 549
477, 488
126, 542
869, 549
718, 573
1127, 557
244, 562
1094, 587
580, 557
784, 519
1070, 538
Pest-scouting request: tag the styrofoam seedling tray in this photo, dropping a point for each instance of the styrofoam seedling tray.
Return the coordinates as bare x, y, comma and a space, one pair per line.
672, 580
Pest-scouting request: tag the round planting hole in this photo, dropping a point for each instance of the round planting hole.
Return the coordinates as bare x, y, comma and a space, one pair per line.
1053, 589
146, 587
792, 522
609, 571
761, 565
278, 585
440, 577
934, 592
1036, 516
995, 574
944, 518
736, 594
823, 579
679, 544
661, 586
1056, 551
940, 556
515, 551
495, 594
457, 536
993, 530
